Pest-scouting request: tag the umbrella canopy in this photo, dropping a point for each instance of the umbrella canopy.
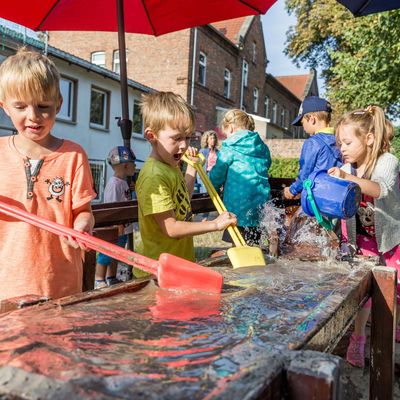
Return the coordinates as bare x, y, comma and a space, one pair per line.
364, 7
153, 17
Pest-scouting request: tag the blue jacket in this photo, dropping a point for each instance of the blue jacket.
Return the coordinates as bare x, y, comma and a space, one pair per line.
242, 168
319, 153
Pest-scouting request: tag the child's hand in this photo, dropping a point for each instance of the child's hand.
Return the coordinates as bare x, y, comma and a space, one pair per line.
287, 194
224, 220
336, 171
191, 151
83, 225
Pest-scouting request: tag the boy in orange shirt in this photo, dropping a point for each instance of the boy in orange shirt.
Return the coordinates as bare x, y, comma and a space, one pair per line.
44, 175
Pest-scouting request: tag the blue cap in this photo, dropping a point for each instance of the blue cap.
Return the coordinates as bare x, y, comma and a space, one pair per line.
311, 104
119, 155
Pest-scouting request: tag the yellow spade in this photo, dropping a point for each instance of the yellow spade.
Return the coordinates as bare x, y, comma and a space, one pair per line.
242, 255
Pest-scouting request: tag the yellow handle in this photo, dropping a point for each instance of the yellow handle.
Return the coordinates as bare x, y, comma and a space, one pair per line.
219, 205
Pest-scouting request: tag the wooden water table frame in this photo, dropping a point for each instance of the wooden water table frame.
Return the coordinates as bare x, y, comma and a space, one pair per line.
379, 282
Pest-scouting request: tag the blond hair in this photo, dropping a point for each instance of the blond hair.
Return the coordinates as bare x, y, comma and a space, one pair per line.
324, 116
238, 119
369, 120
163, 109
206, 135
29, 75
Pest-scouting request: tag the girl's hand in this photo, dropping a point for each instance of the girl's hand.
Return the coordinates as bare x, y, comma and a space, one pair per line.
336, 171
224, 220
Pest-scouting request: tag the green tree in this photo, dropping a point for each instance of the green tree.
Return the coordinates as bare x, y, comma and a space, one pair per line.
360, 57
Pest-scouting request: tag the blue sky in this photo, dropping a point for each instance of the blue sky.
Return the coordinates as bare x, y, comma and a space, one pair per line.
276, 22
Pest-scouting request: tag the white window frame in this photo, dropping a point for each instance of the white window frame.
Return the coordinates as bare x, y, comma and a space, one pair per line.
255, 100
98, 169
227, 83
245, 73
68, 107
266, 107
106, 103
135, 111
254, 52
283, 118
95, 58
115, 62
274, 112
202, 68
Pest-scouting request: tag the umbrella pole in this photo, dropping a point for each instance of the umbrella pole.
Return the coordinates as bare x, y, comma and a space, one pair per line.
124, 123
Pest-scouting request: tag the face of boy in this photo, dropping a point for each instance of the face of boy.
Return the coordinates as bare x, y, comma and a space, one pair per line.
169, 145
32, 119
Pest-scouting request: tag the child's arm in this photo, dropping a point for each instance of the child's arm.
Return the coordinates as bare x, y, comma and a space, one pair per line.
178, 229
308, 160
368, 187
190, 175
83, 222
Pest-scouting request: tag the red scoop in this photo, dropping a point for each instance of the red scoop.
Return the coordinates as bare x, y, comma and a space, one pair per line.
172, 272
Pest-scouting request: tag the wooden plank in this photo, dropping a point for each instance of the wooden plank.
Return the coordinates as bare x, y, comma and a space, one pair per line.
383, 314
313, 375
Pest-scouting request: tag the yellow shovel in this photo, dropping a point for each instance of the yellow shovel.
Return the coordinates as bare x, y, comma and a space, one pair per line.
242, 255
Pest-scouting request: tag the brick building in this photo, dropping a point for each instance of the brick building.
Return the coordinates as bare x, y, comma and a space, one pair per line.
214, 67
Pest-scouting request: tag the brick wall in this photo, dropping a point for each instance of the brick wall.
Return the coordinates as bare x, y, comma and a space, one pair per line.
285, 148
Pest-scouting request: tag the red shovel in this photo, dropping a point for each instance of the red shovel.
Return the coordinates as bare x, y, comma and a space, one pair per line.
172, 272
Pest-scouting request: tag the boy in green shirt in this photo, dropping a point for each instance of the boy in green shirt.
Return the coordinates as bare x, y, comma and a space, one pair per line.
163, 193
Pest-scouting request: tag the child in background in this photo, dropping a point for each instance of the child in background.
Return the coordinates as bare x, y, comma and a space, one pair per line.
319, 152
163, 193
122, 161
44, 175
364, 140
242, 169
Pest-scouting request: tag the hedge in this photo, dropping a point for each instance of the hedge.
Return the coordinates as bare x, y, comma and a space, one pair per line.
284, 168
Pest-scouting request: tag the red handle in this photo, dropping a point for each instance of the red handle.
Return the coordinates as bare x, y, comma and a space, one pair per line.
119, 253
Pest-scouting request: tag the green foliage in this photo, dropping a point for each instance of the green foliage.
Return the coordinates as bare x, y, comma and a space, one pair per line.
396, 143
360, 57
284, 168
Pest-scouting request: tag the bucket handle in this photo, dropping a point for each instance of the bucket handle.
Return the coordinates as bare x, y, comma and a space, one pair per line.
324, 222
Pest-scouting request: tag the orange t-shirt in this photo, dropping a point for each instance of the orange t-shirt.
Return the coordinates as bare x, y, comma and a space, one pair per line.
34, 261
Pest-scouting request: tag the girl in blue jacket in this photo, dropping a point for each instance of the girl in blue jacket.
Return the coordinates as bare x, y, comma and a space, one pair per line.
242, 169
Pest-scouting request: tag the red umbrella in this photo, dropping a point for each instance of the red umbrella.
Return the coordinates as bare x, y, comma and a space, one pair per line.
153, 17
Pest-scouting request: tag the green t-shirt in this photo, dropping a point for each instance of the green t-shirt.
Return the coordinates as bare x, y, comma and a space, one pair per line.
159, 188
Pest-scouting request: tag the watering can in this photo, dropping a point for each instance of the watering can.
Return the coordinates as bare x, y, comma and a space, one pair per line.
326, 197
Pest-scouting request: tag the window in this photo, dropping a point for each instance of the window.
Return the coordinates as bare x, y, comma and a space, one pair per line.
266, 106
98, 168
115, 66
254, 52
255, 100
99, 108
137, 120
68, 89
274, 112
283, 122
202, 68
245, 73
98, 58
227, 83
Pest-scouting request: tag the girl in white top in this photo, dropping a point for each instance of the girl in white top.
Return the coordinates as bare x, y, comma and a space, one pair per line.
363, 137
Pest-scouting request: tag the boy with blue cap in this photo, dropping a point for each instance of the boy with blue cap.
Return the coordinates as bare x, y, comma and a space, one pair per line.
319, 152
122, 161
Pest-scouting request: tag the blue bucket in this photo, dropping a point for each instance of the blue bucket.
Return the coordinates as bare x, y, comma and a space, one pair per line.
333, 197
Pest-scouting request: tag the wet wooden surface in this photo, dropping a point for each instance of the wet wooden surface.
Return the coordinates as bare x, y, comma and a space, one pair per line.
123, 342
